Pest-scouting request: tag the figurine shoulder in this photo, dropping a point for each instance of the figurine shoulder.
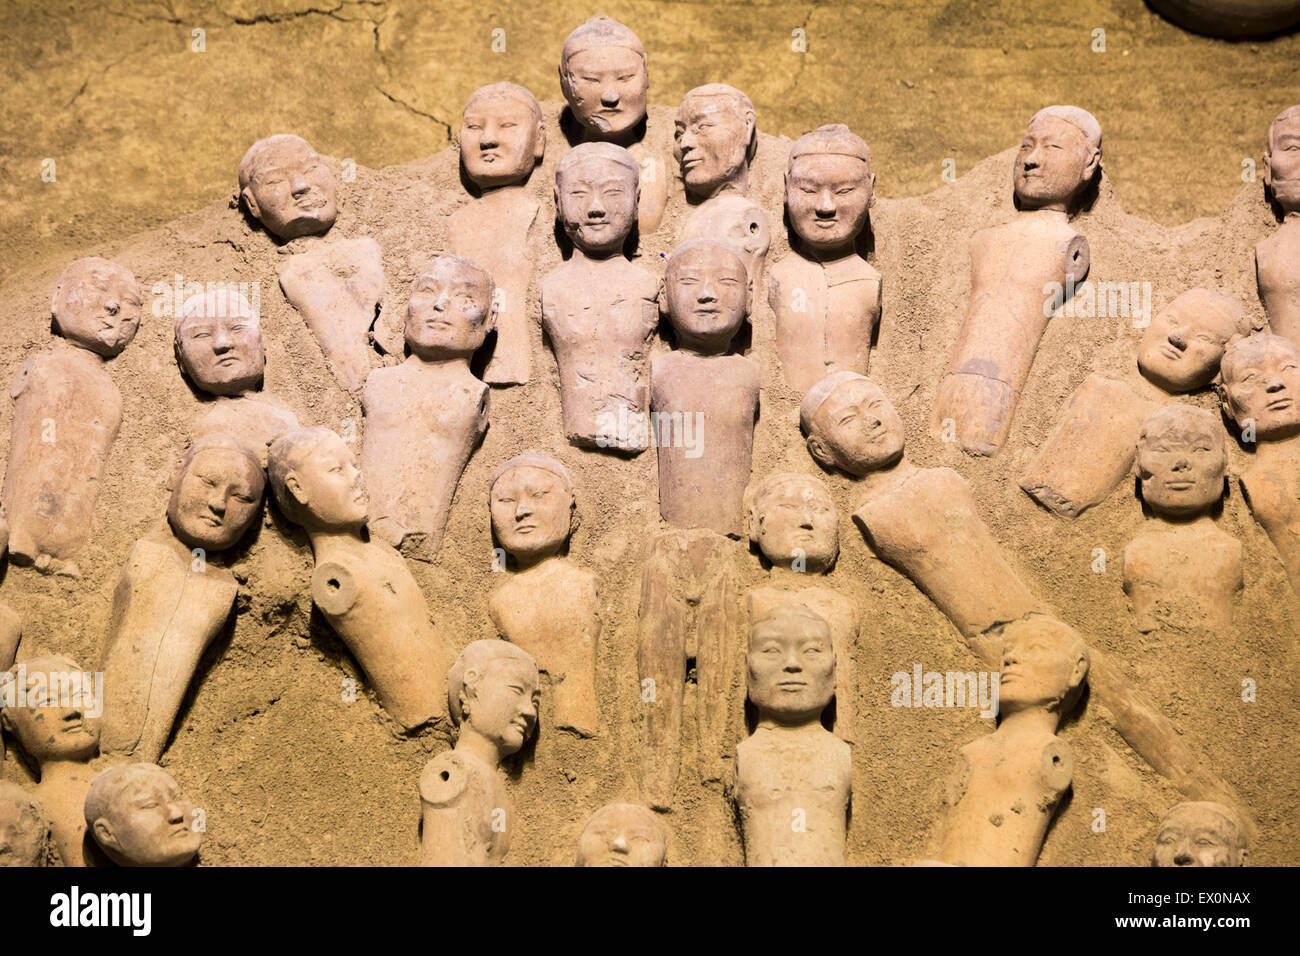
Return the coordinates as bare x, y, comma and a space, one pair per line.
445, 780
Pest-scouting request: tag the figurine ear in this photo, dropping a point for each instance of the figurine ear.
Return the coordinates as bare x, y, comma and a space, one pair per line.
749, 293
1268, 169
540, 150
575, 519
250, 201
294, 487
872, 184
751, 133
661, 296
6, 721
104, 835
1080, 672
817, 448
1094, 164
493, 309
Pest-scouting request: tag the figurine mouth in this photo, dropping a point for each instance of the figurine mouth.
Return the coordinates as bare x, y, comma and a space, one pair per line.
212, 521
1179, 485
1171, 353
792, 685
1279, 403
228, 360
525, 528
310, 203
616, 861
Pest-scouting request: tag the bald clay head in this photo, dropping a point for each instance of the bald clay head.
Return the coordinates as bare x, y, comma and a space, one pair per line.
1260, 384
316, 481
604, 78
60, 720
1059, 156
139, 816
532, 505
451, 310
24, 832
623, 834
1282, 161
287, 187
217, 494
1200, 833
791, 665
97, 306
850, 424
706, 294
597, 187
792, 519
501, 135
715, 138
829, 188
492, 690
1182, 459
218, 342
1182, 347
1044, 665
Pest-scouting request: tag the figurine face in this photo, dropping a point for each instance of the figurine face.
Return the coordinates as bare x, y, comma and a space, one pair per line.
1054, 163
711, 142
1262, 384
597, 200
504, 706
827, 197
622, 834
796, 519
500, 140
291, 191
607, 89
707, 292
1181, 464
791, 668
150, 823
1282, 168
856, 429
222, 354
55, 724
1038, 669
449, 312
1193, 835
328, 485
102, 312
216, 499
1181, 348
531, 512
22, 833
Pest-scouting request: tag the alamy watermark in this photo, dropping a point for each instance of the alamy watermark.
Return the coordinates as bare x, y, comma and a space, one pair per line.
1099, 300
46, 688
922, 688
633, 429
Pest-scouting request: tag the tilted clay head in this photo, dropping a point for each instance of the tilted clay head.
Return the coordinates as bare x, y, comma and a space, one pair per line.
287, 187
716, 138
829, 187
1060, 155
451, 309
218, 342
501, 135
59, 719
1181, 460
1181, 348
217, 494
623, 834
139, 816
604, 77
791, 665
597, 187
24, 832
1282, 160
792, 519
1044, 664
316, 480
1260, 383
97, 306
492, 689
532, 504
706, 294
850, 424
1200, 833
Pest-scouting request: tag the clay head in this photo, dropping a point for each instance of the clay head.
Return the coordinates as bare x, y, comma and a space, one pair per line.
217, 494
1200, 833
218, 342
597, 187
1260, 383
1181, 460
286, 187
604, 77
792, 519
623, 834
791, 665
706, 294
532, 504
1282, 160
1044, 664
1181, 348
139, 816
850, 424
451, 309
24, 833
492, 691
316, 481
716, 138
1060, 155
501, 135
97, 306
829, 187
59, 719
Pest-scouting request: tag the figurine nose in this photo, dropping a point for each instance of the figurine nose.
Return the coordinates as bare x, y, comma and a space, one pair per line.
1177, 339
609, 98
175, 812
441, 303
113, 307
825, 204
620, 843
792, 662
1181, 464
221, 341
217, 503
597, 209
707, 293
1034, 159
523, 509
806, 519
1275, 383
1184, 856
299, 185
488, 138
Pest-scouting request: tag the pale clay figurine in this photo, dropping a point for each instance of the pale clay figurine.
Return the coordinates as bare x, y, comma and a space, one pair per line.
792, 776
792, 520
218, 343
715, 140
11, 626
1091, 448
139, 816
24, 832
826, 297
468, 818
1277, 257
425, 417
362, 587
284, 185
173, 599
501, 139
57, 732
67, 412
599, 310
623, 834
1200, 833
1182, 570
1011, 265
604, 75
548, 605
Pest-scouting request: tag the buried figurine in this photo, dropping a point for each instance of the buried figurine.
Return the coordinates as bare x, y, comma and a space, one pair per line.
1200, 833
1277, 258
623, 834
468, 818
24, 832
139, 816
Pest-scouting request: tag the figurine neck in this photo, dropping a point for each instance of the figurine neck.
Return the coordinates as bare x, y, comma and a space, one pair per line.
884, 480
62, 771
323, 540
784, 575
439, 360
1031, 721
478, 746
791, 723
534, 561
583, 256
828, 255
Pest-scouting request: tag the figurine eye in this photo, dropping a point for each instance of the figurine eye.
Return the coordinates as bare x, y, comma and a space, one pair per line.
845, 191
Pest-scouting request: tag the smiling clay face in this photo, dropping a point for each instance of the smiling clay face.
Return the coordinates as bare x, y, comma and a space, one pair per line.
596, 196
791, 665
1181, 460
147, 819
217, 498
501, 137
622, 834
503, 703
856, 428
706, 292
1282, 164
713, 133
449, 313
1181, 348
1054, 163
1261, 385
288, 188
97, 306
56, 722
531, 512
796, 520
